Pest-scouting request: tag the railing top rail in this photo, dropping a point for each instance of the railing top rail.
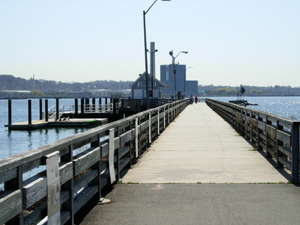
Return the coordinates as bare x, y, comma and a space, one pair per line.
270, 116
12, 162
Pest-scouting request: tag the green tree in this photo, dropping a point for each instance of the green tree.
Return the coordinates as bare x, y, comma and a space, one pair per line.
37, 93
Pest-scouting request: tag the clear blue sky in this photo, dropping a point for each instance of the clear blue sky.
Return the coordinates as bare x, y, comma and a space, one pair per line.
230, 42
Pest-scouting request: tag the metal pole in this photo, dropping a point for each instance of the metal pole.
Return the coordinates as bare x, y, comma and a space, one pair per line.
174, 74
146, 60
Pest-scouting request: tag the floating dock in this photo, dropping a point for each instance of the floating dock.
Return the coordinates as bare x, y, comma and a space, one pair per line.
38, 124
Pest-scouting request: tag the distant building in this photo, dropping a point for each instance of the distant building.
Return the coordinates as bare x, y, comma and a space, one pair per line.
166, 76
191, 88
138, 88
14, 93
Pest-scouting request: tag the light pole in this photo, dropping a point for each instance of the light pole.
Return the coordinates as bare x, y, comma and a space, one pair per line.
174, 70
185, 78
146, 60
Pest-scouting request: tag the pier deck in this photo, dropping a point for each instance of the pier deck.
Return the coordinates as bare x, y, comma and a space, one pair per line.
199, 146
199, 171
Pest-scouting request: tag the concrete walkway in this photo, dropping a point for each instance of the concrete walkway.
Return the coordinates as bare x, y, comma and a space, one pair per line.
199, 146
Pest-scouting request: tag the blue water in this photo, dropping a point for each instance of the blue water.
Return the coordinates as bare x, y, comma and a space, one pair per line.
14, 142
287, 107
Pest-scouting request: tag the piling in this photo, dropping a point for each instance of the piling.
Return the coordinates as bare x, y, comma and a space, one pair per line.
46, 110
29, 111
57, 109
82, 106
9, 112
94, 104
41, 109
76, 107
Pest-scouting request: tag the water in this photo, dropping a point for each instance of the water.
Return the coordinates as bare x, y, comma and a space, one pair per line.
14, 141
287, 107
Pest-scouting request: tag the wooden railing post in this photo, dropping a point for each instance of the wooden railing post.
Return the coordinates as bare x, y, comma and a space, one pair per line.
295, 152
97, 167
69, 185
150, 128
16, 184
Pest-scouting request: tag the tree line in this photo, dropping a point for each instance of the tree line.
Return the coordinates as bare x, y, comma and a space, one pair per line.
57, 88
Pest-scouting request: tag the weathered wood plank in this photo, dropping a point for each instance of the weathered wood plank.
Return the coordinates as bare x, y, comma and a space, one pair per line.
125, 137
285, 162
286, 151
10, 205
284, 136
65, 172
85, 161
85, 179
85, 197
9, 175
37, 215
35, 191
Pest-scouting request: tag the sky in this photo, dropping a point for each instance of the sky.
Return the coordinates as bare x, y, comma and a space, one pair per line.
229, 42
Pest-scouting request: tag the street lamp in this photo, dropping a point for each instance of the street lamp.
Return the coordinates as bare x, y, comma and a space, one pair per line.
146, 60
185, 78
174, 70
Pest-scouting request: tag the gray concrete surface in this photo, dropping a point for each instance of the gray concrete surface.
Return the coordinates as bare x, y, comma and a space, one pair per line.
199, 146
197, 204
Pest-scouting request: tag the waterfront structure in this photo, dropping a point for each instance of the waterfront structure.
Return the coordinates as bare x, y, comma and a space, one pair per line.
166, 76
184, 87
191, 88
139, 88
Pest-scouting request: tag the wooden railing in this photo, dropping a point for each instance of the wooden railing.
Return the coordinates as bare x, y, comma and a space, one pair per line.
108, 150
277, 136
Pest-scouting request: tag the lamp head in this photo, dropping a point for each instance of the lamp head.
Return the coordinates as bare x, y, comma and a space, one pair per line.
171, 53
185, 52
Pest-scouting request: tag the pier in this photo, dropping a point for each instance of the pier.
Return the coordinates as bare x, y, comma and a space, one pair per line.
179, 163
90, 112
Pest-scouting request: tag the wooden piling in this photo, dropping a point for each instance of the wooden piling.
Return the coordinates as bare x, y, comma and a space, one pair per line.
82, 106
46, 110
76, 107
9, 112
41, 108
57, 109
29, 111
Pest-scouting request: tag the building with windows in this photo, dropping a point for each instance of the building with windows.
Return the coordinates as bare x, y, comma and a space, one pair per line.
156, 88
175, 85
179, 84
191, 88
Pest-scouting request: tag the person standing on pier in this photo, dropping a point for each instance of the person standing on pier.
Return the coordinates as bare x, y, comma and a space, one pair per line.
196, 99
191, 99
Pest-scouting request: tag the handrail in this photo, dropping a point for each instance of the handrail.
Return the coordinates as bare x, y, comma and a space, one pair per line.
128, 139
277, 136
